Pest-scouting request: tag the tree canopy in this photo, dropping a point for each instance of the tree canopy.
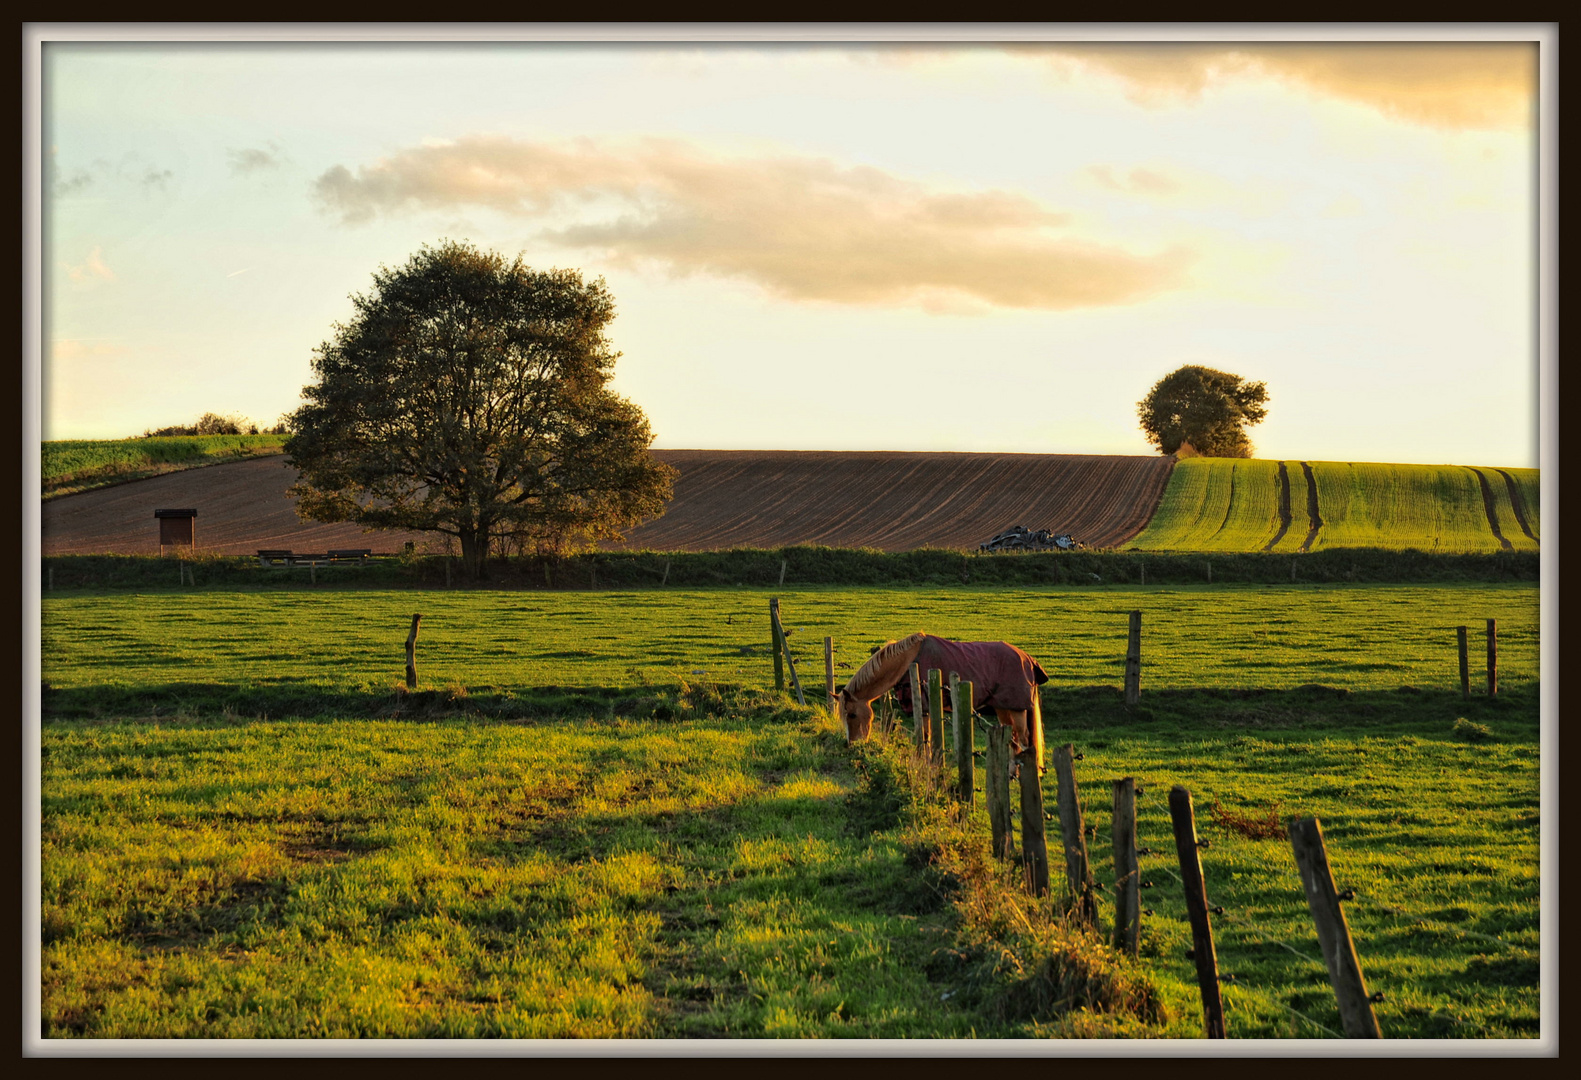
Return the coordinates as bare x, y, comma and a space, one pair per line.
469, 396
1208, 409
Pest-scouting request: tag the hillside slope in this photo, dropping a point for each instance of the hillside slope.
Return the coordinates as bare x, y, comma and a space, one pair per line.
724, 499
1227, 504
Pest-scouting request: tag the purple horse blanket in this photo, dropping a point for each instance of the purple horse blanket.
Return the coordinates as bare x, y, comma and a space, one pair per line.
1002, 676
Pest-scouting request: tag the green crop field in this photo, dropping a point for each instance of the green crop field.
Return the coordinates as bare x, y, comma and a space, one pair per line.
71, 465
248, 831
1219, 504
1223, 504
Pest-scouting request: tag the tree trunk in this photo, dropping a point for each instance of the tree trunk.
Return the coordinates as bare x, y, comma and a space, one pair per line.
474, 548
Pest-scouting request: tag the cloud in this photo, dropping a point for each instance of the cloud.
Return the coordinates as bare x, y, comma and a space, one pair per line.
251, 159
90, 268
1139, 181
801, 228
1452, 84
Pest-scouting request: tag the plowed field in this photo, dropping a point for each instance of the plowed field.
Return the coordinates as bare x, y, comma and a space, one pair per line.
723, 499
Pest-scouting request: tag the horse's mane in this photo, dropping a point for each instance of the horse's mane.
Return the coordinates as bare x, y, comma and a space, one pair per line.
884, 668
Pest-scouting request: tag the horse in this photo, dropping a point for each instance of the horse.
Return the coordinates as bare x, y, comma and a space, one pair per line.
1003, 678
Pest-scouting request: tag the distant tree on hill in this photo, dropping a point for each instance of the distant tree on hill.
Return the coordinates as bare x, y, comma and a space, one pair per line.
469, 396
208, 424
1206, 408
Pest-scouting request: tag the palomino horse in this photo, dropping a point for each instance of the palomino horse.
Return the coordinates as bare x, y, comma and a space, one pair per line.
1003, 678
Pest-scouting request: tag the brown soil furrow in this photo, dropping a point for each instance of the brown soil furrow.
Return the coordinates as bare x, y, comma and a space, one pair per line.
1493, 515
1284, 507
1314, 519
747, 498
1518, 504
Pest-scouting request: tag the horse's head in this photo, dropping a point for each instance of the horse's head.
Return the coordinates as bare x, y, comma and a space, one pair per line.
856, 714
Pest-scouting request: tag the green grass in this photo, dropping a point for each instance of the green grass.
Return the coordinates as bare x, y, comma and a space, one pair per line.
582, 879
266, 651
1221, 504
1431, 507
1529, 483
1228, 505
72, 465
250, 831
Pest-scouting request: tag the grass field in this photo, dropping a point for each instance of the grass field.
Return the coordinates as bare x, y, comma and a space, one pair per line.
276, 647
1220, 504
71, 465
679, 857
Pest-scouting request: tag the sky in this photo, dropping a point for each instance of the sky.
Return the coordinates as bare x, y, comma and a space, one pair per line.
987, 247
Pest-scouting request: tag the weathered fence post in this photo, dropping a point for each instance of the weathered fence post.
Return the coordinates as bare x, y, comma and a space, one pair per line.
783, 563
49, 578
1493, 658
1210, 573
965, 737
312, 571
919, 730
828, 671
1127, 883
1073, 832
1034, 849
781, 643
411, 654
936, 716
774, 643
996, 788
1143, 567
1185, 823
1133, 660
1344, 970
1465, 664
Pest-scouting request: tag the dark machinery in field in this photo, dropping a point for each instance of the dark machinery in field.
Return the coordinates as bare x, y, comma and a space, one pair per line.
1021, 538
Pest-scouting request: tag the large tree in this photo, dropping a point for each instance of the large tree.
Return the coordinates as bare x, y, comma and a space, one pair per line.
1208, 409
469, 396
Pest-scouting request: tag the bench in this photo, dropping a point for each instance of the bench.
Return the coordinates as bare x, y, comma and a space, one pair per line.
274, 557
287, 557
352, 554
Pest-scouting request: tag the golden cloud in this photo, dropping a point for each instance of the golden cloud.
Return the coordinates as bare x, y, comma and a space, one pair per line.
1450, 84
802, 228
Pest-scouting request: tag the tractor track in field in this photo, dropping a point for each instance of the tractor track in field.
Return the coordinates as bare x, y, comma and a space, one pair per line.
1314, 519
1518, 504
1284, 507
892, 501
1493, 515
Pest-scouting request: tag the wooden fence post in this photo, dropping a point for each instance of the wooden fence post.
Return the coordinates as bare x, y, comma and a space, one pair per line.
1344, 970
965, 739
1127, 878
1493, 658
1143, 567
936, 716
1465, 663
1133, 661
996, 788
828, 671
774, 643
665, 580
1073, 832
1210, 573
447, 571
783, 563
49, 578
1034, 849
782, 643
411, 654
919, 730
1185, 823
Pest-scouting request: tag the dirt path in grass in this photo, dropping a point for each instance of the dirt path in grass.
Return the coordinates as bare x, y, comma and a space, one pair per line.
1314, 519
1493, 515
1518, 504
1284, 507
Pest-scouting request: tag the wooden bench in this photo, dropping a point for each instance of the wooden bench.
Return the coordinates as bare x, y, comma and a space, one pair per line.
274, 556
349, 554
